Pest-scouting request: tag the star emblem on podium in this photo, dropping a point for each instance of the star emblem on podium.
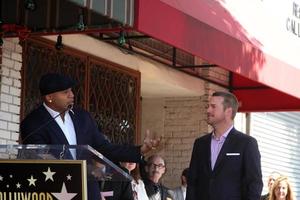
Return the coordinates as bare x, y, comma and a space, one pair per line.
31, 181
49, 174
64, 195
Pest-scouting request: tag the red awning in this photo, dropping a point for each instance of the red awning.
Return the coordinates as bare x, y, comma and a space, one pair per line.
206, 29
254, 96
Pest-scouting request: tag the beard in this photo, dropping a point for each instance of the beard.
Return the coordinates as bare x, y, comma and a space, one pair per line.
214, 120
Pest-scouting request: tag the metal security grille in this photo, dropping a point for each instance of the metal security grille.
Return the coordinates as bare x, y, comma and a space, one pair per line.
108, 90
111, 93
278, 136
40, 59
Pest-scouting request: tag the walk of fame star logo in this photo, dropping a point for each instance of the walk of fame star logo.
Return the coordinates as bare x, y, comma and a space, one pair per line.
64, 195
60, 182
49, 174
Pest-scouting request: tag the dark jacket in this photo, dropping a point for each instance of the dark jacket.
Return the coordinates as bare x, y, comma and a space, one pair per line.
265, 197
122, 190
178, 194
237, 172
152, 189
87, 133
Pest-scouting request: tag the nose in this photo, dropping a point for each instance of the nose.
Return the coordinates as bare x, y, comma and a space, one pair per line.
208, 109
71, 94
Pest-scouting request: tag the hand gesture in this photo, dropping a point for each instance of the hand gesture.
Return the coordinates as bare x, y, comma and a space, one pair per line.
149, 143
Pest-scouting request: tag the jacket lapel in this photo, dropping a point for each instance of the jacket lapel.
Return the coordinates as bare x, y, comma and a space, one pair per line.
208, 153
54, 127
227, 144
77, 129
181, 194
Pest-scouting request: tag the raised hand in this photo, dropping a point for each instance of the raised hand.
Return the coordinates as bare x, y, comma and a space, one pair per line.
149, 143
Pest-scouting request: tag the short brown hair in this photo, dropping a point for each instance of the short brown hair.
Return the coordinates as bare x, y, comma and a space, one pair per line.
230, 101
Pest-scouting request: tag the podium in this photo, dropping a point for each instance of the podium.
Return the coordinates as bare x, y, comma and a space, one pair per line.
53, 171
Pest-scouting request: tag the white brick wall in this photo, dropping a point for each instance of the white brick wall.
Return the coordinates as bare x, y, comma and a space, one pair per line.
10, 90
183, 117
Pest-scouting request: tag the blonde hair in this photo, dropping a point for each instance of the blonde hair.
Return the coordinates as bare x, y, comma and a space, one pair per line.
290, 193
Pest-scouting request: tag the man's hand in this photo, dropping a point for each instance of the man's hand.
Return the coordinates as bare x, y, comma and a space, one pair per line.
149, 143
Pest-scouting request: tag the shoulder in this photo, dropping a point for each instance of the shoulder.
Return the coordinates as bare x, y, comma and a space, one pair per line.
78, 110
37, 111
242, 139
140, 182
37, 114
177, 189
147, 183
80, 113
169, 193
165, 188
204, 138
264, 197
239, 135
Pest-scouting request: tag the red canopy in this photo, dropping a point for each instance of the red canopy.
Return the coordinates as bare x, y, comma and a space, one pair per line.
206, 29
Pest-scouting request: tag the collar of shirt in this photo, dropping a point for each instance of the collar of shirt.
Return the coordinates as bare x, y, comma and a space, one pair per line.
66, 126
224, 135
216, 146
183, 189
54, 113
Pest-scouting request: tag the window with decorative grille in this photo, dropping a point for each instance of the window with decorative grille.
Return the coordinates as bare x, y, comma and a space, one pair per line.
108, 91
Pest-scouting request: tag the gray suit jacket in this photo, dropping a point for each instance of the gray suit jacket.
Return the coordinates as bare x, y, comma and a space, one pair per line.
177, 193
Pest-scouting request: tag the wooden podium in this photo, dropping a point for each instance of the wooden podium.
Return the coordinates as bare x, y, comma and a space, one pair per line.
47, 172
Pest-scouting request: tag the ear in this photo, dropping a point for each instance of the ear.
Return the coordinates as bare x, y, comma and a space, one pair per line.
48, 98
164, 171
228, 112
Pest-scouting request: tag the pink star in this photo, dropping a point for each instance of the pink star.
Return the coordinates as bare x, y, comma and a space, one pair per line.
64, 195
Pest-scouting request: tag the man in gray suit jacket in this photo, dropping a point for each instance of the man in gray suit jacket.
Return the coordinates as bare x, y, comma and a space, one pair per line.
179, 193
225, 164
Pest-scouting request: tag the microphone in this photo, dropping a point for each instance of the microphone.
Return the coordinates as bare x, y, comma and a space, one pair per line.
70, 107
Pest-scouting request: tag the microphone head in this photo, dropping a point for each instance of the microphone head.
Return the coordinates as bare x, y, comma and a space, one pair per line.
70, 107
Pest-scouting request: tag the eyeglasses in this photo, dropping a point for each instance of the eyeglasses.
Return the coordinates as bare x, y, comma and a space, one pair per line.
159, 166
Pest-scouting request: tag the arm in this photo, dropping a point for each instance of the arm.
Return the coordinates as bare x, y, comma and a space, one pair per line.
192, 176
252, 177
117, 152
114, 152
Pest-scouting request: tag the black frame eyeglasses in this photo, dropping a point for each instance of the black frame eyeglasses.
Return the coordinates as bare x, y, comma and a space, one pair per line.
159, 166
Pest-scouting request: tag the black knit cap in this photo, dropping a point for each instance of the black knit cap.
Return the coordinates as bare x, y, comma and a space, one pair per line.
54, 82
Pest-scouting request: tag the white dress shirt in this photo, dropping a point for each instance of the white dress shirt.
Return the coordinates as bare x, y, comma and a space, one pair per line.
66, 126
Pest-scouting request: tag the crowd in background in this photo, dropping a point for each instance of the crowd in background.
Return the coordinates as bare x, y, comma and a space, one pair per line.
279, 188
146, 183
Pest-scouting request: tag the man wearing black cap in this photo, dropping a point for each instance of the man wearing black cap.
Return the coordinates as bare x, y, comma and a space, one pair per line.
65, 125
